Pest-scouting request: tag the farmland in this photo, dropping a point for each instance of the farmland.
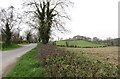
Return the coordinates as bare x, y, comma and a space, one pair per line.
79, 62
78, 43
92, 50
109, 54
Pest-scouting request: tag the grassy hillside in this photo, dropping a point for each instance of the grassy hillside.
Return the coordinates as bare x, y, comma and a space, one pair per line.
78, 43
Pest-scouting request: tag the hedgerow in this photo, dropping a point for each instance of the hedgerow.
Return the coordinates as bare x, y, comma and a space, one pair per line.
60, 64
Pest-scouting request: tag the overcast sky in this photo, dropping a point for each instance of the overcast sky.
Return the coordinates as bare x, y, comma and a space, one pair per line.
88, 18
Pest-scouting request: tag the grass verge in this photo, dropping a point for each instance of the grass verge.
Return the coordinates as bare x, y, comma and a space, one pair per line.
10, 47
27, 66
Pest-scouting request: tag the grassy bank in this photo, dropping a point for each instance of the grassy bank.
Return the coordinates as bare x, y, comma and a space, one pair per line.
27, 66
9, 47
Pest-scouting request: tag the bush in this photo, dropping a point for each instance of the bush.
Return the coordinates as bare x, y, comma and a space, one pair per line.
24, 42
54, 43
75, 46
66, 44
4, 45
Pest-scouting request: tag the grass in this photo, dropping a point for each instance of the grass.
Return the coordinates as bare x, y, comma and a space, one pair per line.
27, 66
10, 47
79, 43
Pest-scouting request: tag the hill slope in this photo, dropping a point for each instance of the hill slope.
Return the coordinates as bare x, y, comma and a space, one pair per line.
78, 43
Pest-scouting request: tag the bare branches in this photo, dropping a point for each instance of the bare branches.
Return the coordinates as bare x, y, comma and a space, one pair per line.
8, 19
47, 14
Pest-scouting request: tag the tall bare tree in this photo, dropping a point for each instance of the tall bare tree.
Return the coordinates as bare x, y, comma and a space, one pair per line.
47, 14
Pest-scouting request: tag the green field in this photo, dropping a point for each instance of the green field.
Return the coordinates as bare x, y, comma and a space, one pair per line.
78, 43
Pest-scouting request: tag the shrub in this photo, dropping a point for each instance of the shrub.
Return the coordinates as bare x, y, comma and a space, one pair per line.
75, 46
4, 45
66, 44
24, 41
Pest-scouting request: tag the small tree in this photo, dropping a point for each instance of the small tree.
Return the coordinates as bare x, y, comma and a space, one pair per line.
28, 36
66, 44
6, 34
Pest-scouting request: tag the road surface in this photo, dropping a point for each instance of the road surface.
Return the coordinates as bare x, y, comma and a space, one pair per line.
9, 58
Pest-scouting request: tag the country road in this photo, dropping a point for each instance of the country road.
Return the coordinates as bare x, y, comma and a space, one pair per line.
8, 58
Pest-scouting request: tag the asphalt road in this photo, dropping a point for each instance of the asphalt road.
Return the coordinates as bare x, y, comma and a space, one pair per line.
9, 58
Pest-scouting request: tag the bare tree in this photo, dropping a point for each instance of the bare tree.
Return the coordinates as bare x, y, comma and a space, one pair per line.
47, 14
9, 18
7, 22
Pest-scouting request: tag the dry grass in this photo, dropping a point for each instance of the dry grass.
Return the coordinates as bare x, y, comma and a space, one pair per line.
109, 54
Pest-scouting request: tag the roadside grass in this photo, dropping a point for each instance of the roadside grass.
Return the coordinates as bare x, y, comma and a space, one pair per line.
79, 43
27, 66
9, 47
